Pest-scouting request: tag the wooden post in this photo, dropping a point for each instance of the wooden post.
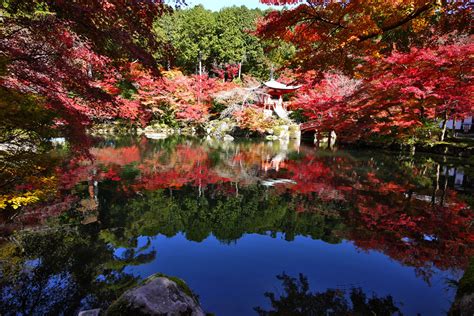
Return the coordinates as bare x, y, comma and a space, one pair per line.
316, 138
332, 139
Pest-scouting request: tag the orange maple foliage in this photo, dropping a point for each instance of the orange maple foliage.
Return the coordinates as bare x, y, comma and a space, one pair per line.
338, 33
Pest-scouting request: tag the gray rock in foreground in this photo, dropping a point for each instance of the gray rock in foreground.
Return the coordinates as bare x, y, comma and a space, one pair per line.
463, 306
157, 296
91, 312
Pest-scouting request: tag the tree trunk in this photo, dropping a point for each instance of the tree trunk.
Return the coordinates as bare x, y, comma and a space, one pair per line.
453, 130
443, 127
435, 184
445, 187
89, 71
200, 63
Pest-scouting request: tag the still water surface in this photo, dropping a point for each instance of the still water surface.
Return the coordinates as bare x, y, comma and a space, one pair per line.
228, 218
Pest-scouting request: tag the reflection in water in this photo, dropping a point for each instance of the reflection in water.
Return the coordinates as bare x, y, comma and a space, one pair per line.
299, 301
58, 271
75, 248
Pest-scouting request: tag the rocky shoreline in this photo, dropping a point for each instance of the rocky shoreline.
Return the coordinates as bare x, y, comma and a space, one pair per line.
224, 129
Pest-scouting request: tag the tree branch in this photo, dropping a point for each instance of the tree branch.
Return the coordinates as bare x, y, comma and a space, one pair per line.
399, 23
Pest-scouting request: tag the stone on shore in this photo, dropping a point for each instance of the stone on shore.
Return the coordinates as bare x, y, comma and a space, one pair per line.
159, 295
156, 135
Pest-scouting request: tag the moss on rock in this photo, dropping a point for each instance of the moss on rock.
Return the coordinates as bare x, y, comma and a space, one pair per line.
159, 294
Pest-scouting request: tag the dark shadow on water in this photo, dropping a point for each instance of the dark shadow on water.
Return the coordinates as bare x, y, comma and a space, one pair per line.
298, 300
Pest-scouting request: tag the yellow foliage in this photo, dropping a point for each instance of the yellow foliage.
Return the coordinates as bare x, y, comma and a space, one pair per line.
254, 119
16, 200
20, 200
173, 73
419, 25
10, 256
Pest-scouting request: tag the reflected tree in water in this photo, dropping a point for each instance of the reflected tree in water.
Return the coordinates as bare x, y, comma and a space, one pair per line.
299, 301
405, 209
60, 271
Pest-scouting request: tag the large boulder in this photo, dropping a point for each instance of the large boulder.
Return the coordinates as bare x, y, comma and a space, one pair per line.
156, 130
281, 131
220, 128
463, 306
464, 302
159, 295
152, 135
294, 131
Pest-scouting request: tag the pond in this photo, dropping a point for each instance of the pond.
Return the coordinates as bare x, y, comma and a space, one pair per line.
235, 220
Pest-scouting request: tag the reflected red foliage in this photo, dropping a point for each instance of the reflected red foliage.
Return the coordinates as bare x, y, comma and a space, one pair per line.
400, 216
117, 156
388, 216
186, 166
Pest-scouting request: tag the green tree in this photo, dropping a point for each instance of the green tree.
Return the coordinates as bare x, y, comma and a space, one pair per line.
191, 34
235, 43
219, 38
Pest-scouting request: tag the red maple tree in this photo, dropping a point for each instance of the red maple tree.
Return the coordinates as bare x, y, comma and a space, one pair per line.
398, 95
68, 53
336, 34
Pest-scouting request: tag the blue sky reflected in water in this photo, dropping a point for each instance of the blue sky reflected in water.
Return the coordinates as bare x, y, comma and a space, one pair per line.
231, 279
344, 219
